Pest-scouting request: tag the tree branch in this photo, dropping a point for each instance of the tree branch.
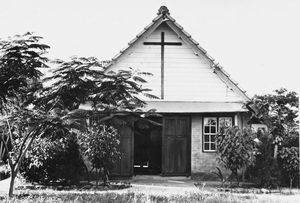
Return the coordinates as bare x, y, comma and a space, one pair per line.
18, 162
6, 147
23, 144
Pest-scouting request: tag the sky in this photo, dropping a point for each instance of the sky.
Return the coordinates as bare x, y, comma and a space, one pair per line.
256, 41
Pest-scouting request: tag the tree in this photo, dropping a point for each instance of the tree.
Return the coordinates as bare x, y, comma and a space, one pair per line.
289, 157
20, 60
101, 145
112, 98
24, 127
279, 112
31, 112
81, 80
235, 148
264, 171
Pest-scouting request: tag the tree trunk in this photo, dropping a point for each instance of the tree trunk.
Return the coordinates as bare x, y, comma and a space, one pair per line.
97, 177
275, 151
291, 183
12, 183
105, 177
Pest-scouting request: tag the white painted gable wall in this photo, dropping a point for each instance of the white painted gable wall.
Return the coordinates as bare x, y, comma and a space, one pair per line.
187, 77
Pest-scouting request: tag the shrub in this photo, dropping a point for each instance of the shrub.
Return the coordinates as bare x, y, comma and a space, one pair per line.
235, 149
265, 171
100, 144
54, 160
289, 162
4, 171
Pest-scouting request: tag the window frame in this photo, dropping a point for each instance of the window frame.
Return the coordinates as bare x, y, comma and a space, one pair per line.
217, 129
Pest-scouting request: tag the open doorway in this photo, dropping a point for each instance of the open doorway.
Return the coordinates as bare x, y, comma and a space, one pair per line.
147, 146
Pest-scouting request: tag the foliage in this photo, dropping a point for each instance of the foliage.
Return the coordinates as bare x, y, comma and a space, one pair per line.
29, 112
289, 159
221, 176
51, 160
110, 96
147, 196
82, 80
101, 145
265, 171
21, 58
235, 148
279, 111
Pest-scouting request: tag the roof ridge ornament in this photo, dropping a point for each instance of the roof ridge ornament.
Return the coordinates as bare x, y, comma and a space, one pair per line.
163, 10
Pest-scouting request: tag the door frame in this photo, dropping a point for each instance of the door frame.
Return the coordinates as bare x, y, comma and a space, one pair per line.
188, 151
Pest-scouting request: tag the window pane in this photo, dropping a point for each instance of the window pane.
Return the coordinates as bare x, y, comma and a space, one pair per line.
221, 122
205, 121
228, 122
206, 129
206, 146
206, 138
213, 138
225, 122
213, 129
213, 146
212, 121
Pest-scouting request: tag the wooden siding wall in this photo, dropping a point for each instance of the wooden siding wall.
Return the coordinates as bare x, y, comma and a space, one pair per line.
187, 77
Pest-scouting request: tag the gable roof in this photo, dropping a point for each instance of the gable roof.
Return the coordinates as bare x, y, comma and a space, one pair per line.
163, 15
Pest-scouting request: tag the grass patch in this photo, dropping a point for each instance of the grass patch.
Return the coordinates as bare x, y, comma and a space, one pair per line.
114, 197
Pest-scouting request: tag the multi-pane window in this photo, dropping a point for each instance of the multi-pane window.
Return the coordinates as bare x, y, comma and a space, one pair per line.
210, 133
211, 126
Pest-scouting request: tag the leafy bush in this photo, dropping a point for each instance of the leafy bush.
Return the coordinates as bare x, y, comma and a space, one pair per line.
279, 111
101, 145
4, 171
265, 171
289, 161
54, 160
235, 149
220, 176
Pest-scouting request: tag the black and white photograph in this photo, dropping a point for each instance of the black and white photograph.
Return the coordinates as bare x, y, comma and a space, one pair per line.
149, 101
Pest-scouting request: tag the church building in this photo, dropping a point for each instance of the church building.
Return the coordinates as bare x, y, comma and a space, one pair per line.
196, 98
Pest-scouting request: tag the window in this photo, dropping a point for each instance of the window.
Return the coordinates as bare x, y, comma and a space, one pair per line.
210, 133
225, 122
211, 126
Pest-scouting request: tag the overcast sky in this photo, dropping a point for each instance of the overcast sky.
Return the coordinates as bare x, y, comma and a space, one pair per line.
256, 41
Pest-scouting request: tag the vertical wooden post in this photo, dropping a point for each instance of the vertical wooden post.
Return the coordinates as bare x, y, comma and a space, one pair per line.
162, 64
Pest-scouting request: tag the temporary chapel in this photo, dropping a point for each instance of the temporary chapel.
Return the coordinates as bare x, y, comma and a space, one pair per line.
196, 98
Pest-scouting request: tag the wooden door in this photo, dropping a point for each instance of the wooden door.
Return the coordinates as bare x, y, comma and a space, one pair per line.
124, 167
176, 146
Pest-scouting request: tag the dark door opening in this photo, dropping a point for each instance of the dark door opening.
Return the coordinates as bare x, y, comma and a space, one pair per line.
147, 147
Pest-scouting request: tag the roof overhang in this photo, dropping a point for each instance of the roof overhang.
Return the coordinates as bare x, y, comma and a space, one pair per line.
195, 107
187, 107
